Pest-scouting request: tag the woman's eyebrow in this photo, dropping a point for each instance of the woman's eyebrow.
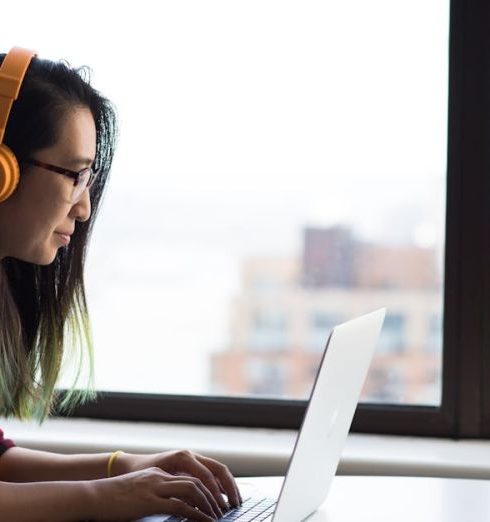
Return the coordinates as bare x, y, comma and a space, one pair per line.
81, 161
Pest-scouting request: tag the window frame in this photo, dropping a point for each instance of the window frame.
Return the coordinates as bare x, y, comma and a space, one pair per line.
465, 405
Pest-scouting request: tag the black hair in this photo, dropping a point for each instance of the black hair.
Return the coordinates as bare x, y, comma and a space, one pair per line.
42, 306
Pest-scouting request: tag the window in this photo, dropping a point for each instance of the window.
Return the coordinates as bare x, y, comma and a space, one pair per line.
434, 334
269, 331
266, 377
290, 157
392, 338
320, 324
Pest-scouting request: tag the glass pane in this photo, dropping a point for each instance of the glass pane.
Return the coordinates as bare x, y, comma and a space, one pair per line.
281, 168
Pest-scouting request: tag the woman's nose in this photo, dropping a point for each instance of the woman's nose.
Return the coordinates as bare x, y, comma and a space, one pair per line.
82, 208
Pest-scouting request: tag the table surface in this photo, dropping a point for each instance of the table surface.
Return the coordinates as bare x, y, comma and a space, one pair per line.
400, 499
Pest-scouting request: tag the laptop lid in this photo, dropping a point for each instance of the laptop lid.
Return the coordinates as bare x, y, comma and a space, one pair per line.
328, 417
327, 420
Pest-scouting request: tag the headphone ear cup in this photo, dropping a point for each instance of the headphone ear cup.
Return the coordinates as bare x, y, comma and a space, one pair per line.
9, 172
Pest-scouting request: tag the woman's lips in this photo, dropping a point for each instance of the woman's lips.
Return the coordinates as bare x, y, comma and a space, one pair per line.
65, 238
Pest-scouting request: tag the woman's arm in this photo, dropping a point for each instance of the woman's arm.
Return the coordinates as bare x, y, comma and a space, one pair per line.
26, 465
127, 497
71, 487
47, 502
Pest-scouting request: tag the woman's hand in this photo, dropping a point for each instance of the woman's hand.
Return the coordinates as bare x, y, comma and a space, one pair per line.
214, 476
151, 491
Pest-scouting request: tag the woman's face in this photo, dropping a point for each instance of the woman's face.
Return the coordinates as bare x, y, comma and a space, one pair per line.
40, 208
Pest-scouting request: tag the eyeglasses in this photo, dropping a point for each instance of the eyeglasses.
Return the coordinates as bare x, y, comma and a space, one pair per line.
83, 179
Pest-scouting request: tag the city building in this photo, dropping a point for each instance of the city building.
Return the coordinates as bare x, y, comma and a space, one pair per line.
281, 319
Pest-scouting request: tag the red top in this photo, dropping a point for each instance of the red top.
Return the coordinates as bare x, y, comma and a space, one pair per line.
5, 444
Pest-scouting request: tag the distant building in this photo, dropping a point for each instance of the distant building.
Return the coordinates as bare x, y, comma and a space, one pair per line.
409, 268
281, 319
332, 257
329, 256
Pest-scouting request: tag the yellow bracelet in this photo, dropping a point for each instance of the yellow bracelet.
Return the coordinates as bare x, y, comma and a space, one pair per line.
111, 460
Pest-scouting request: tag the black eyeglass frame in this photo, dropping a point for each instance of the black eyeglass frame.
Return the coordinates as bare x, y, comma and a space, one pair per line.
66, 172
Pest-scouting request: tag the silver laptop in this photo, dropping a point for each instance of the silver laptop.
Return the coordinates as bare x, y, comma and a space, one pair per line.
324, 430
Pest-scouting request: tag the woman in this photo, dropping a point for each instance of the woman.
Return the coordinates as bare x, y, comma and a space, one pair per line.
63, 134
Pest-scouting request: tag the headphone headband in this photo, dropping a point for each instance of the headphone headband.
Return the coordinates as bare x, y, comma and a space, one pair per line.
12, 72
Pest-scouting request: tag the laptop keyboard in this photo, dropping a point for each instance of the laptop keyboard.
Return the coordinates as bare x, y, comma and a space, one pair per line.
256, 509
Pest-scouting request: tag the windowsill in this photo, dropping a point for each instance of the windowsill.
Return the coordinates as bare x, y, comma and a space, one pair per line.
252, 451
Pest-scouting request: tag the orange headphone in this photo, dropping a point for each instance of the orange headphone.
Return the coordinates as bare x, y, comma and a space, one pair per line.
12, 74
